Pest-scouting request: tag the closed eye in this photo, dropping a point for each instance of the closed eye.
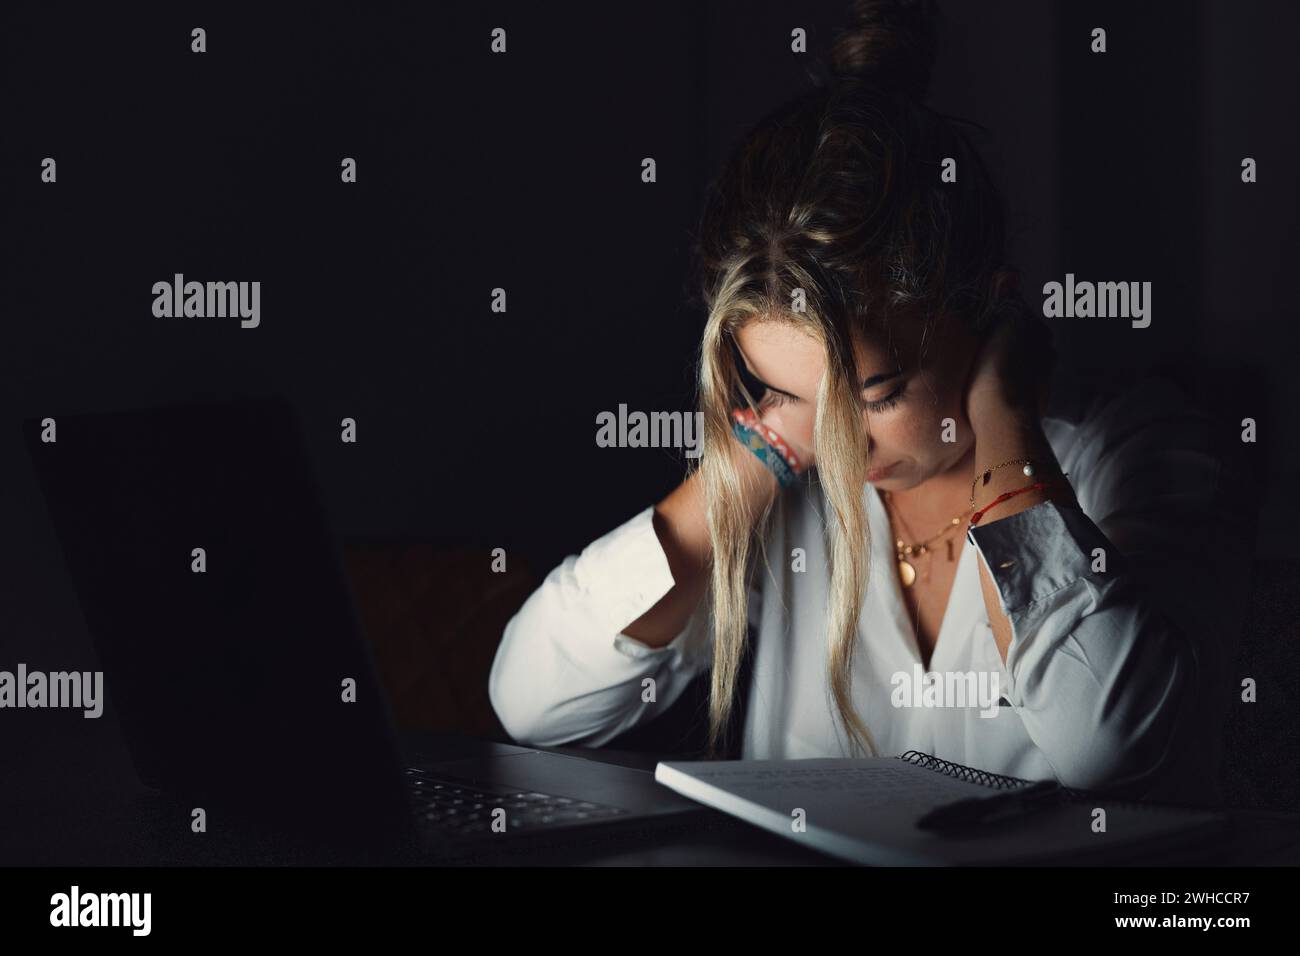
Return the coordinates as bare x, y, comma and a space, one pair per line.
774, 399
888, 402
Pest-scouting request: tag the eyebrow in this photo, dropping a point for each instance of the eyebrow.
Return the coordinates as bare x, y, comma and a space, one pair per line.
882, 377
772, 388
744, 365
867, 383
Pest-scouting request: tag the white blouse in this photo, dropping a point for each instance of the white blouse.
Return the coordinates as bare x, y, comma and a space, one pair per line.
1114, 677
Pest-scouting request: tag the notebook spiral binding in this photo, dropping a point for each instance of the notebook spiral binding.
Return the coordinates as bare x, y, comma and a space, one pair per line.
999, 781
961, 772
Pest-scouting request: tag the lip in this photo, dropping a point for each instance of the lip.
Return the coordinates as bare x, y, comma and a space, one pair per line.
880, 474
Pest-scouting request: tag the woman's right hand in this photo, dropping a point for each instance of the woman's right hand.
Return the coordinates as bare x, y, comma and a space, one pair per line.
682, 527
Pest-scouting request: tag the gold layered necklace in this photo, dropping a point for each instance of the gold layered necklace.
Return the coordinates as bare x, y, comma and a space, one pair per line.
907, 553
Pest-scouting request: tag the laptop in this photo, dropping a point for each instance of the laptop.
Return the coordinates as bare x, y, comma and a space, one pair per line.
248, 686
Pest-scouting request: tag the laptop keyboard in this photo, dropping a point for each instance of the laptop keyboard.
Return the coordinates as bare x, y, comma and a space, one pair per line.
464, 807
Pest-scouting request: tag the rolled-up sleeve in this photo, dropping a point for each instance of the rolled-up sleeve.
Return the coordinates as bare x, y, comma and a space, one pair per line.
1121, 637
566, 673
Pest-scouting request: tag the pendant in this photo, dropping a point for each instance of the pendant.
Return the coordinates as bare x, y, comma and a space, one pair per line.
907, 573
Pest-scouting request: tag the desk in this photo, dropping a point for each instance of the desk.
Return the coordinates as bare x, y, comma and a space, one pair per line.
79, 824
1257, 837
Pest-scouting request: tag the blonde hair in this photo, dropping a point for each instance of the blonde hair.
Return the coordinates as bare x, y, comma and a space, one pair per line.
833, 202
737, 537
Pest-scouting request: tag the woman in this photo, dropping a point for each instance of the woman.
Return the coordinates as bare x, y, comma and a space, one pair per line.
924, 538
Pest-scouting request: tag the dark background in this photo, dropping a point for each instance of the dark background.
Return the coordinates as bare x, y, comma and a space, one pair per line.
522, 171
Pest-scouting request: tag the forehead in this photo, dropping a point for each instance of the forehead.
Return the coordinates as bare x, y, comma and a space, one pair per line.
774, 347
781, 354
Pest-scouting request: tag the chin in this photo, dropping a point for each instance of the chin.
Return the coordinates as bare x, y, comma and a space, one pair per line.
896, 480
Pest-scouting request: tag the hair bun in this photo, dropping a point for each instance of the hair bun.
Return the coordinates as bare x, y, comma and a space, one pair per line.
892, 42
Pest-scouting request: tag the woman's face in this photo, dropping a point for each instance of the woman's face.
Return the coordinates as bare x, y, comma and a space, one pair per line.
904, 403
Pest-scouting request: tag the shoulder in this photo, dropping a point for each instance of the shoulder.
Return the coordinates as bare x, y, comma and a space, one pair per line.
1140, 449
1092, 411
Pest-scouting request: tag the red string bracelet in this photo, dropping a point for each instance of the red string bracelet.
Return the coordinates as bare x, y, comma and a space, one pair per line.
974, 519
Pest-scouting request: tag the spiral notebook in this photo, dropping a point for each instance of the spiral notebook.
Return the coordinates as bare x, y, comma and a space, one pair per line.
865, 811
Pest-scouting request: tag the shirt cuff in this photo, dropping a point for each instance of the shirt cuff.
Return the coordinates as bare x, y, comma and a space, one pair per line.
628, 571
1036, 552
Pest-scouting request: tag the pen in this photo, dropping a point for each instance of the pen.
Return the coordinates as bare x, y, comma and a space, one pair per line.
987, 809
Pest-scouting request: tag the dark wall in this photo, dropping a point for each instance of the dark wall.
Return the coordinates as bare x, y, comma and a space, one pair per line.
523, 172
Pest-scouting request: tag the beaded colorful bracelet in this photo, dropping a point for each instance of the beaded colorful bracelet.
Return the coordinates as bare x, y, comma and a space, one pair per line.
767, 445
747, 418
